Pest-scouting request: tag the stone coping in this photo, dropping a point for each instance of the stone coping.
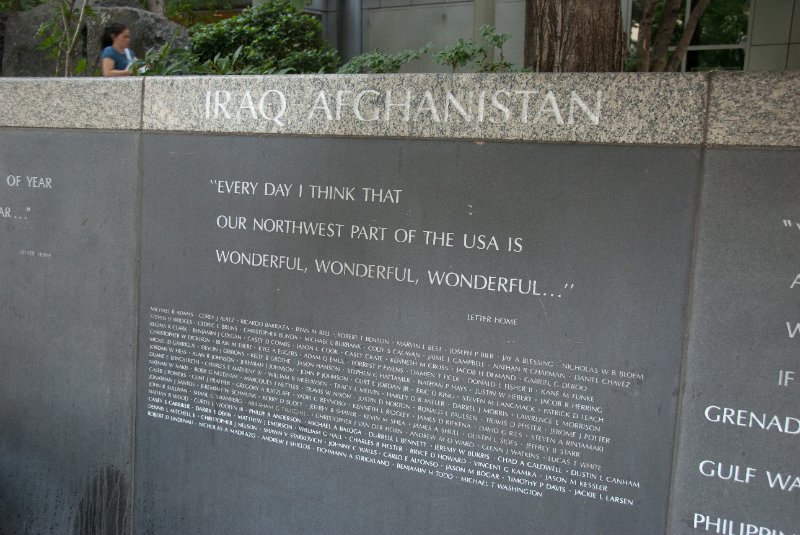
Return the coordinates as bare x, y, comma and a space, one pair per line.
754, 109
745, 109
554, 107
96, 103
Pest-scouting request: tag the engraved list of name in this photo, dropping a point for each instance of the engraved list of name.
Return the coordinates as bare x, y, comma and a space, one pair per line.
502, 421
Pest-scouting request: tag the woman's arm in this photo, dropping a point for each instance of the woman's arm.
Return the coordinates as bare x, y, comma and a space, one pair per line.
107, 66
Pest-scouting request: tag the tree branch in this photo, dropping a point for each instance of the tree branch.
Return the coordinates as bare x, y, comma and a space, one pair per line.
62, 38
686, 37
73, 42
529, 54
643, 42
658, 58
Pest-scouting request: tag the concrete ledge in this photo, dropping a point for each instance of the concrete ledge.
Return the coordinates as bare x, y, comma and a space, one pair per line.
584, 108
71, 103
760, 109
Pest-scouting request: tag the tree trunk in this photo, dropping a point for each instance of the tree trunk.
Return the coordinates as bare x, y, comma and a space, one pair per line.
529, 51
652, 53
688, 31
661, 42
574, 36
157, 7
643, 44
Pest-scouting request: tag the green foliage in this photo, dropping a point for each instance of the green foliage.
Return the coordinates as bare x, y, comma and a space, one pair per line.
51, 35
658, 16
180, 9
272, 36
10, 6
460, 54
381, 61
80, 67
630, 64
724, 22
165, 61
223, 64
467, 53
169, 61
187, 13
233, 65
59, 36
494, 40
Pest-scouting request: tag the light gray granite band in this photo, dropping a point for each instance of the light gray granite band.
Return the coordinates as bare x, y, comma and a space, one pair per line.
71, 103
744, 109
758, 109
586, 108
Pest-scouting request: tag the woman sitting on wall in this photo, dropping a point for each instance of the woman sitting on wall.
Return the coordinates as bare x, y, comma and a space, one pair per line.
116, 57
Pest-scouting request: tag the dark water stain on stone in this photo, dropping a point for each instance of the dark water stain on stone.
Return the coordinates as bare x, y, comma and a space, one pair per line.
104, 508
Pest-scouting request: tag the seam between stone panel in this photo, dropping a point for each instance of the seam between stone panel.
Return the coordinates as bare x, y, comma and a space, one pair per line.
677, 434
141, 107
137, 230
706, 109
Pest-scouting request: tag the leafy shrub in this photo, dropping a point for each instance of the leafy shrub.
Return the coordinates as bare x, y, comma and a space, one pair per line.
166, 61
494, 40
169, 61
272, 36
60, 36
467, 52
10, 6
380, 61
459, 54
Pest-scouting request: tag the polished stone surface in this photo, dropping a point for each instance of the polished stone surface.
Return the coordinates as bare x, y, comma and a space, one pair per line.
112, 104
741, 343
68, 206
583, 108
755, 109
742, 109
604, 231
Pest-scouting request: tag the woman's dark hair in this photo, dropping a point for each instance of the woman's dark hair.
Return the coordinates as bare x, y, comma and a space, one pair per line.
110, 32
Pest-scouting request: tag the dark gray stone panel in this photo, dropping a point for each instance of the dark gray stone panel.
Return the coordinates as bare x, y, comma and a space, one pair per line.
67, 270
605, 230
740, 413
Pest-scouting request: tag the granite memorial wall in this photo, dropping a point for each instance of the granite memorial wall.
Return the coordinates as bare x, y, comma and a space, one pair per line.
556, 304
